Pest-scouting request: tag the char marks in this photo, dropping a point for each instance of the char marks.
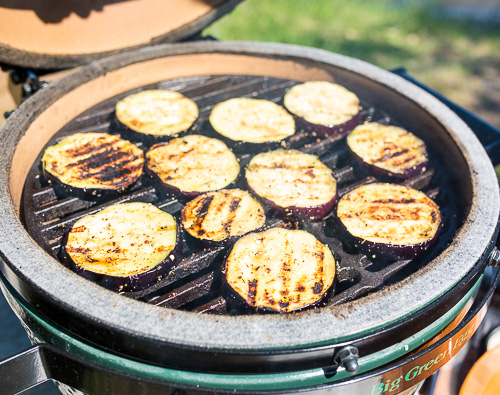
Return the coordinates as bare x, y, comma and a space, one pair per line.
291, 179
252, 290
94, 160
392, 154
389, 148
201, 212
193, 163
389, 214
280, 269
122, 240
217, 216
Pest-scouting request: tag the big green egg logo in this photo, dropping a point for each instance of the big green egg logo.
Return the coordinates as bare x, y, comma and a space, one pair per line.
416, 371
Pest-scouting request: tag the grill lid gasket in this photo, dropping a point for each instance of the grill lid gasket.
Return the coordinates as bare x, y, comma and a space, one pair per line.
43, 282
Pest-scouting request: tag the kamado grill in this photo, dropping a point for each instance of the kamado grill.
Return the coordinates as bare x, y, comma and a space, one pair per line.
387, 326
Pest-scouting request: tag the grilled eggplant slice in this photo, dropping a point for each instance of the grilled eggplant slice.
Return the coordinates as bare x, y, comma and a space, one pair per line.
191, 165
125, 247
323, 107
156, 115
223, 216
252, 121
390, 220
296, 184
388, 150
280, 270
92, 164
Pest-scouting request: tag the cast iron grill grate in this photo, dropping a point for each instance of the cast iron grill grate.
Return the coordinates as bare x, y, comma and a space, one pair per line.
194, 283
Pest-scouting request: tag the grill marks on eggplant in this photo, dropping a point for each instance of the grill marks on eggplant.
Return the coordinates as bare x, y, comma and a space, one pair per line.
125, 241
222, 216
280, 269
252, 120
202, 206
290, 178
157, 112
193, 163
322, 103
94, 161
389, 214
388, 148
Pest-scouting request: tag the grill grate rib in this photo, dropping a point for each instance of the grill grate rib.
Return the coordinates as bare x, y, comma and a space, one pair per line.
194, 283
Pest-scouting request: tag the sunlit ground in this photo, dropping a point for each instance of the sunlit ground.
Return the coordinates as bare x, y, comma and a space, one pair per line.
458, 58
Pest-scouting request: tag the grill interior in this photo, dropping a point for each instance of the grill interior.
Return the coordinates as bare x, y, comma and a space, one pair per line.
194, 284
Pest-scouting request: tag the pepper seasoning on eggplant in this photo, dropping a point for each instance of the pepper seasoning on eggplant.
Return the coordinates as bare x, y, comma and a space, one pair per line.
296, 184
156, 115
388, 150
124, 247
92, 164
252, 123
191, 165
280, 270
323, 107
389, 220
222, 217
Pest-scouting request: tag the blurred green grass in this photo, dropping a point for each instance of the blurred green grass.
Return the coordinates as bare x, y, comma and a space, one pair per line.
458, 58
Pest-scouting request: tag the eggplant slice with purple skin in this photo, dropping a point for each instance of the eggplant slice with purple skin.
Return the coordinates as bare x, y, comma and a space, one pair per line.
124, 247
296, 184
191, 165
389, 220
280, 270
222, 217
156, 115
92, 164
252, 122
323, 107
388, 150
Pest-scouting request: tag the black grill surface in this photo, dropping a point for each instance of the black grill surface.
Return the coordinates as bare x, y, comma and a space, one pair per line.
194, 283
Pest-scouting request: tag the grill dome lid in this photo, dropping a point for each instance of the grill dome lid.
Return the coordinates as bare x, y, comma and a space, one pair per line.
47, 34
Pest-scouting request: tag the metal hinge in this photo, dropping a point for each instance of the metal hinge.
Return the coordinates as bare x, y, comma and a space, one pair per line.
27, 81
32, 84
